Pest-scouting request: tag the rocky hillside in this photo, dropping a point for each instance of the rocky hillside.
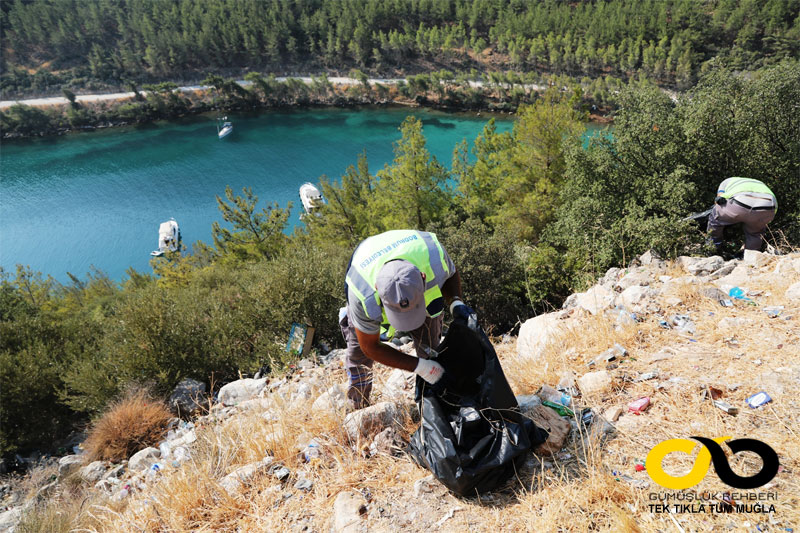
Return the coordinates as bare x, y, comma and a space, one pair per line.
696, 338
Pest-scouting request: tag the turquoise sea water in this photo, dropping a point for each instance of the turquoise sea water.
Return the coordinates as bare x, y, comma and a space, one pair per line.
96, 199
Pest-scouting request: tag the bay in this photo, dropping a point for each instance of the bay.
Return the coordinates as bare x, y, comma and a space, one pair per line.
95, 199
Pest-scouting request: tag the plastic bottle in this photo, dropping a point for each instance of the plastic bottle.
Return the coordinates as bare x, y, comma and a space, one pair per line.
164, 448
550, 394
312, 451
180, 454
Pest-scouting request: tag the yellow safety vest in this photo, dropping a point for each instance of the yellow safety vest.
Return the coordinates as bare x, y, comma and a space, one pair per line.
420, 248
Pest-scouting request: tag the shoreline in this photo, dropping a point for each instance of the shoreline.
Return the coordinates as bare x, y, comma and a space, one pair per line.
56, 116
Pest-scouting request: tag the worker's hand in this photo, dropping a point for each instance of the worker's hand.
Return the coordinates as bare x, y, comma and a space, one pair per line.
430, 371
461, 310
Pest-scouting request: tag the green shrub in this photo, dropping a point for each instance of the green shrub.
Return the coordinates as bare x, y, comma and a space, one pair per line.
221, 320
30, 414
492, 269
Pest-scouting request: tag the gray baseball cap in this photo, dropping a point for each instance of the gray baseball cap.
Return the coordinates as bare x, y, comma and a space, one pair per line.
402, 292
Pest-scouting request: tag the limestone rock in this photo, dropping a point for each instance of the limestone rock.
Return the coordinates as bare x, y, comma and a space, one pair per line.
612, 414
400, 385
256, 404
9, 519
188, 398
738, 276
726, 269
303, 392
570, 302
536, 333
637, 277
557, 428
93, 472
787, 266
69, 464
595, 300
334, 399
143, 459
349, 511
275, 438
793, 292
385, 443
635, 297
701, 266
651, 258
600, 429
375, 417
241, 390
758, 259
610, 278
714, 294
594, 382
237, 480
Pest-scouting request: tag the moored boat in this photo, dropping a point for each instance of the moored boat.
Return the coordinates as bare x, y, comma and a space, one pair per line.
227, 129
169, 237
310, 197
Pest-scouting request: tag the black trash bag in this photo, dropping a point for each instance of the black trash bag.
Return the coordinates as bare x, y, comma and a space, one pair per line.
472, 436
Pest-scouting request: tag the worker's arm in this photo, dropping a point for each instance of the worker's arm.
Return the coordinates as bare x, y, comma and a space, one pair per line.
371, 345
373, 348
451, 289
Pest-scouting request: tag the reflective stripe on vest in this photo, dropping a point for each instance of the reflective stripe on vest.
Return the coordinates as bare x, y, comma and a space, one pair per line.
420, 248
744, 187
740, 185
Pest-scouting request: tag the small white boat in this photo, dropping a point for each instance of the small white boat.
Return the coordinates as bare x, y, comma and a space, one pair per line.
169, 238
310, 197
226, 129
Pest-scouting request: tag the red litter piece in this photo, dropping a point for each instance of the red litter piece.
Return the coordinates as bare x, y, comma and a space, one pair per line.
639, 467
639, 406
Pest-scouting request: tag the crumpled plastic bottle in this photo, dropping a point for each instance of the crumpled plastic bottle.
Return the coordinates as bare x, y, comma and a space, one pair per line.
165, 450
180, 455
312, 451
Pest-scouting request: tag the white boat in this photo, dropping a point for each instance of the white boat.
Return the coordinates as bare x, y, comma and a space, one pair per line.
169, 237
226, 129
310, 197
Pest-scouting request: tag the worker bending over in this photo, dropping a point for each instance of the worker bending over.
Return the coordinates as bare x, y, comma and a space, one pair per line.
746, 201
399, 280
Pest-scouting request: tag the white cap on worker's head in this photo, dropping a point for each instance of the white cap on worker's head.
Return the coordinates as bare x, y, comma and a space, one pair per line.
402, 292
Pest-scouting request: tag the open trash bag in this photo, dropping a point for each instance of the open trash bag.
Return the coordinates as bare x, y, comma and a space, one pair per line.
472, 435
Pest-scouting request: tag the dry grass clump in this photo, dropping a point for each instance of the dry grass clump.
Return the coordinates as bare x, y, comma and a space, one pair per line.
52, 507
134, 422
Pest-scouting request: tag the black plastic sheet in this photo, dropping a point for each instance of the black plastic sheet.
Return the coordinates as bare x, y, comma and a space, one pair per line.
472, 436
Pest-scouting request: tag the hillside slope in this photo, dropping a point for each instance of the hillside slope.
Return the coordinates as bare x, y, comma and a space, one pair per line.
247, 465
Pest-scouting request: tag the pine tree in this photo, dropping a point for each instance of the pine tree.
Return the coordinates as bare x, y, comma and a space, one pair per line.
412, 192
528, 194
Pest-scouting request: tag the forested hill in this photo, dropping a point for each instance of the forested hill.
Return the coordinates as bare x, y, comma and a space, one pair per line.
114, 41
